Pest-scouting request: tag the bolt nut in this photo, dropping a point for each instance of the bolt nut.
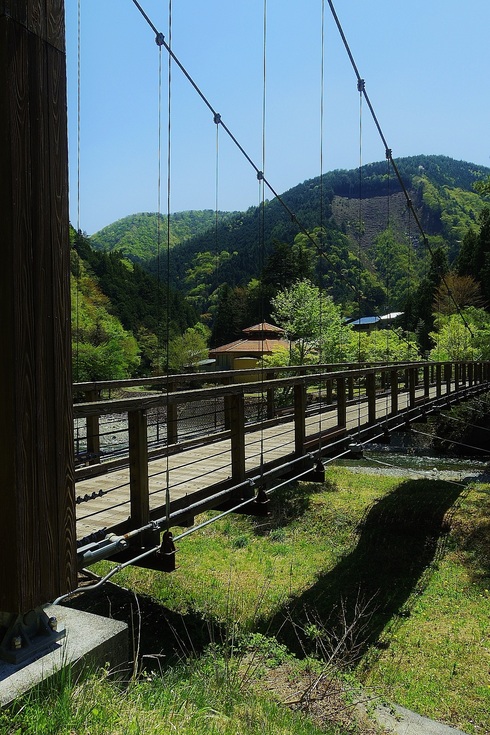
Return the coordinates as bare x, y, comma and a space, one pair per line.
16, 642
53, 623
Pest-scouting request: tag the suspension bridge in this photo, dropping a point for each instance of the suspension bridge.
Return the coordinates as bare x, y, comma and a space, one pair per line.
156, 460
252, 436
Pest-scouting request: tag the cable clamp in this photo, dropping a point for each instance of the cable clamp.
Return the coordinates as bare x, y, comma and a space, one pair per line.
260, 175
217, 118
361, 85
389, 154
159, 39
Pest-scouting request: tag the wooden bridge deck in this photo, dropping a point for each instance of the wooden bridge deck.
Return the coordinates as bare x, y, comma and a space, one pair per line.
191, 472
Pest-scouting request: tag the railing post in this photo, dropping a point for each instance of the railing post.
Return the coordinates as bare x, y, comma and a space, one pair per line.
270, 397
463, 372
172, 419
412, 382
341, 403
350, 388
371, 397
237, 426
438, 380
93, 430
299, 418
329, 390
457, 369
394, 391
447, 376
138, 468
470, 374
426, 381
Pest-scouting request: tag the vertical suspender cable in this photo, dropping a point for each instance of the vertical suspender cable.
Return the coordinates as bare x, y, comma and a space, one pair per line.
260, 177
321, 356
360, 87
78, 233
167, 321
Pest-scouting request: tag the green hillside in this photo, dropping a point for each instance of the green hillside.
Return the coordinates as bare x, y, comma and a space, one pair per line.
235, 245
139, 236
349, 232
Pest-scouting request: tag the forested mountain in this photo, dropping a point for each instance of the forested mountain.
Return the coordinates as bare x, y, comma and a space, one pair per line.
120, 315
139, 236
232, 248
349, 232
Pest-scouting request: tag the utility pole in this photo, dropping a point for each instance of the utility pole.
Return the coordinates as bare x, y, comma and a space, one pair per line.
37, 503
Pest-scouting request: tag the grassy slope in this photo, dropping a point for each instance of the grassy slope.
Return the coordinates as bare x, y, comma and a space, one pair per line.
427, 642
418, 549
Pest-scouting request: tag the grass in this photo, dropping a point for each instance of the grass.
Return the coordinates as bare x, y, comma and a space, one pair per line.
211, 694
264, 562
438, 658
407, 561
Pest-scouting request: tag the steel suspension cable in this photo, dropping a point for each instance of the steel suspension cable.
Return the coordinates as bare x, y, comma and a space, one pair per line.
160, 41
389, 156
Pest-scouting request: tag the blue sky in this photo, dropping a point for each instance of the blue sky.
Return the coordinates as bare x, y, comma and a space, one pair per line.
424, 64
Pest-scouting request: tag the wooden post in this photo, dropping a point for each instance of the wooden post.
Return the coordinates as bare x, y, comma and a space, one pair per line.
438, 380
371, 397
426, 381
341, 403
93, 430
447, 376
299, 418
412, 384
138, 468
329, 391
394, 391
237, 417
270, 397
172, 419
37, 512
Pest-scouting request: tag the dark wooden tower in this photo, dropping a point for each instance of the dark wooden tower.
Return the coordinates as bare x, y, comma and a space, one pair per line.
37, 516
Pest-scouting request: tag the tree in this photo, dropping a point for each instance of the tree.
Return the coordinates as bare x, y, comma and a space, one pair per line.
483, 187
189, 348
456, 292
312, 322
382, 345
454, 341
419, 309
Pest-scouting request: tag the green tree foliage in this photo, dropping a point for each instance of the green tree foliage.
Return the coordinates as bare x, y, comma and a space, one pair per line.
141, 236
143, 306
395, 264
188, 349
454, 341
483, 187
382, 345
312, 322
474, 256
419, 306
102, 348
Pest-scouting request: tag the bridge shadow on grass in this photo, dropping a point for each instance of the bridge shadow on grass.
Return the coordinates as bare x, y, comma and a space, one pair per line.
158, 637
350, 606
290, 502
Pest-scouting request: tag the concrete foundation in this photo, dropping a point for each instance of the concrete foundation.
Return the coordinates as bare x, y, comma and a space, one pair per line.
90, 641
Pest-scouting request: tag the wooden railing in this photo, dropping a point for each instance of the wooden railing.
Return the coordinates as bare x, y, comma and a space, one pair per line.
314, 408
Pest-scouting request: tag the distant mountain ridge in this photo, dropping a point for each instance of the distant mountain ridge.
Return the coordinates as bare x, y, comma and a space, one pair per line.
138, 236
346, 202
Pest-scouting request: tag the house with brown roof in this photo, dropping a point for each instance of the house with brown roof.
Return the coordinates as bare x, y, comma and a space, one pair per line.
259, 340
